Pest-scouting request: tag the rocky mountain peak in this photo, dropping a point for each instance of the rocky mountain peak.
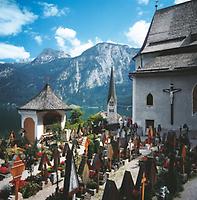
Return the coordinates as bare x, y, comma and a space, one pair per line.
48, 55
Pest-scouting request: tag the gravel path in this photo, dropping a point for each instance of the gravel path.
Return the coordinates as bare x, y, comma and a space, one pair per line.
117, 176
190, 189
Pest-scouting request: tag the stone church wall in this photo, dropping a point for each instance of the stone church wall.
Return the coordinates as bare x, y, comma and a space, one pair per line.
160, 111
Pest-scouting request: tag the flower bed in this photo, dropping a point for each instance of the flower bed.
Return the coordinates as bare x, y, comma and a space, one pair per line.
30, 189
30, 186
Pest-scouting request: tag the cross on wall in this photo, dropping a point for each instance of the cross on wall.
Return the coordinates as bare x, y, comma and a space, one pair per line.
171, 91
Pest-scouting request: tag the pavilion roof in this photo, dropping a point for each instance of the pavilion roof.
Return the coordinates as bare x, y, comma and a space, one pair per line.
45, 100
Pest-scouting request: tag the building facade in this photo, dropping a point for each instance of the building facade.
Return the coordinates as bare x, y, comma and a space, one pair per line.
165, 78
44, 110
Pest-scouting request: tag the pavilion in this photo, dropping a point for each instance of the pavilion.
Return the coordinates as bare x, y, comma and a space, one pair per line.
42, 111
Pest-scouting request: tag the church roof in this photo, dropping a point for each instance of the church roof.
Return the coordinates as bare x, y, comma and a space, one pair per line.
171, 62
45, 100
112, 90
171, 41
172, 27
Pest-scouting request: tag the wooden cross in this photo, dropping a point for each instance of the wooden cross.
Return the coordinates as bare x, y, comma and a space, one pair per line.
171, 91
143, 181
16, 171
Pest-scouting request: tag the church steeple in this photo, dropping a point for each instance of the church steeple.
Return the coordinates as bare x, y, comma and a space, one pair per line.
112, 101
112, 89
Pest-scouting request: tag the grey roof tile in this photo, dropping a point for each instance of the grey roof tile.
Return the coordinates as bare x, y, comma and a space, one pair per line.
171, 62
45, 100
170, 26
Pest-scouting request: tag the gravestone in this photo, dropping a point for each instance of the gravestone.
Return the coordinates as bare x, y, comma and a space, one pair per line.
110, 191
127, 187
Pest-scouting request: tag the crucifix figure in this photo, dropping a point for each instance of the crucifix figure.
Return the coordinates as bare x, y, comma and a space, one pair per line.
171, 91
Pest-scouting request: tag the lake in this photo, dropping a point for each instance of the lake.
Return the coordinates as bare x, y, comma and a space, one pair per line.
9, 120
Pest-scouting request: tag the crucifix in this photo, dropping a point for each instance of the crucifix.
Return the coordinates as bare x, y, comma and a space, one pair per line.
171, 91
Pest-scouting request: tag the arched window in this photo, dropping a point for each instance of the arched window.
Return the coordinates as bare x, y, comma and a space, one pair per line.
195, 99
149, 100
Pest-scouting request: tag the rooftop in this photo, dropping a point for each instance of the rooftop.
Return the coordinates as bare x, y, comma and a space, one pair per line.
112, 89
182, 60
45, 100
172, 27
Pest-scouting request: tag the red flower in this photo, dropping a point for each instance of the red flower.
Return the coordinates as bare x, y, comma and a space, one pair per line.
22, 183
62, 163
39, 154
4, 170
92, 173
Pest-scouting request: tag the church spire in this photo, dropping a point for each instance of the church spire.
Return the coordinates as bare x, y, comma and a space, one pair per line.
112, 89
112, 101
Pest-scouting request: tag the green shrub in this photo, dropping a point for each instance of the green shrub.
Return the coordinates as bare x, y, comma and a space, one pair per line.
30, 189
92, 185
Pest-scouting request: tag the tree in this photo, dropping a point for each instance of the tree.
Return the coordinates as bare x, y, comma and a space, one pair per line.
76, 116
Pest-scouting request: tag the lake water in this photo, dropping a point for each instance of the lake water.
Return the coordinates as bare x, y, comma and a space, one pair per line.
9, 120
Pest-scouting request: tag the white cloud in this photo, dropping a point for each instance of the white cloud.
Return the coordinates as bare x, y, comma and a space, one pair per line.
143, 2
51, 10
77, 50
67, 40
8, 51
12, 18
38, 39
137, 33
180, 1
66, 33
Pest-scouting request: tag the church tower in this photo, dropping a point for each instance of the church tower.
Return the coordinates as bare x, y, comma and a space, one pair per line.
112, 101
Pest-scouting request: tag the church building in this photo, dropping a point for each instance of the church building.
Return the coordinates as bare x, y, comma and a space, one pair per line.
165, 77
41, 112
112, 116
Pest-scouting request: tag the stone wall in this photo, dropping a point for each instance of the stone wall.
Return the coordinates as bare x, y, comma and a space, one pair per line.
160, 111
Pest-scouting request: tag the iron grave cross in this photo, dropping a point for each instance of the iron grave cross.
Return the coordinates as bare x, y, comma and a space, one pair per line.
171, 92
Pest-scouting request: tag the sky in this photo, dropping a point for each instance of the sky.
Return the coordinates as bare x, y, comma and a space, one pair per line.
29, 26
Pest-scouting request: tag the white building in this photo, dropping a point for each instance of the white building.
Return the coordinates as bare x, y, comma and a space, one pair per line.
168, 60
42, 111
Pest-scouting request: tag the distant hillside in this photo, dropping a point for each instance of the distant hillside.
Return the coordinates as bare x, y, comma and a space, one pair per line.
82, 80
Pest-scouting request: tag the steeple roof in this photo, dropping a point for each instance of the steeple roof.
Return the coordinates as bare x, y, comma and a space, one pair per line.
112, 89
45, 100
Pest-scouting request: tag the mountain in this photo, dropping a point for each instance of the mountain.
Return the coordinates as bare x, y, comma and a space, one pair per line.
48, 55
82, 80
